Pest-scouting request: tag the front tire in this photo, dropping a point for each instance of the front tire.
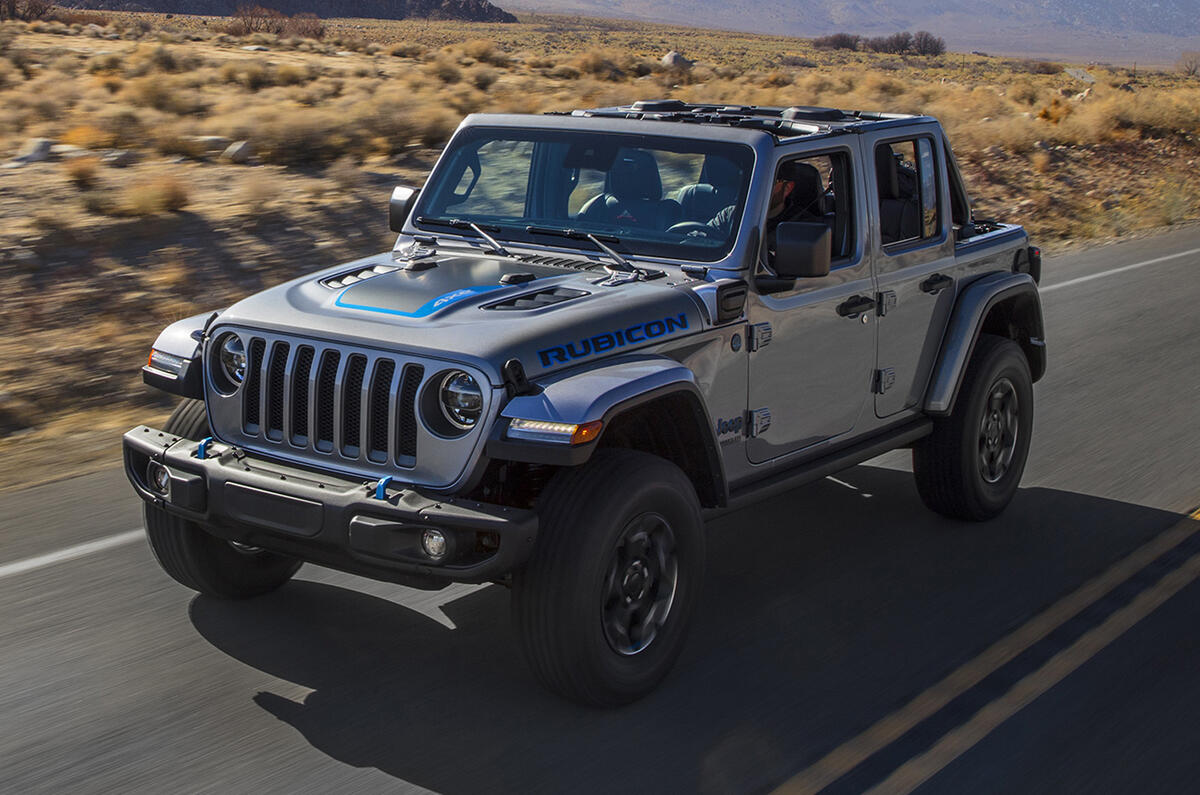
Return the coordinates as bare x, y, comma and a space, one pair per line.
970, 466
200, 560
603, 604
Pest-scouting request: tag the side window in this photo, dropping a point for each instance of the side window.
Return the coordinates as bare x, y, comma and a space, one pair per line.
906, 176
497, 183
814, 189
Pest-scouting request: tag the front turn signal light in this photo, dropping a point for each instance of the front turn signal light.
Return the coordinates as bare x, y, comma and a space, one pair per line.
554, 432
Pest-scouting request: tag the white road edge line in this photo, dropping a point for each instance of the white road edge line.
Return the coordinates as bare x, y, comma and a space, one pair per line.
1102, 274
70, 553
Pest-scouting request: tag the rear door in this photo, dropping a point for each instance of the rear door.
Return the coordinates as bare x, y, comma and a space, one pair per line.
913, 249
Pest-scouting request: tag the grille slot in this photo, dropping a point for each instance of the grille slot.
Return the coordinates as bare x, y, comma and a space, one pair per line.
326, 381
381, 390
275, 381
352, 405
300, 393
406, 416
252, 404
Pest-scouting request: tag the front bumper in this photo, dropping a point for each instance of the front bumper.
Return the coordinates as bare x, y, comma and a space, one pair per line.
326, 519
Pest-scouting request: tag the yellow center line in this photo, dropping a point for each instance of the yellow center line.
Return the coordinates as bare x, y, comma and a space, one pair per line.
920, 769
855, 751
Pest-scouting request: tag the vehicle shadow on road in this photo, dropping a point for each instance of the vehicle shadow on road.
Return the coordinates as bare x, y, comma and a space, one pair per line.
824, 610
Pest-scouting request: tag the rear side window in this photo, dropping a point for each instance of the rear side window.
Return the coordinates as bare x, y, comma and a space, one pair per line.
907, 181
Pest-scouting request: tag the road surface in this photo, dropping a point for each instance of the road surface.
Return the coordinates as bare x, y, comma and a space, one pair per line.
847, 638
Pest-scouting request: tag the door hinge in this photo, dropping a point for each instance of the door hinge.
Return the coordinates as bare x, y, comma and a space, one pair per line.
885, 302
884, 380
757, 421
758, 336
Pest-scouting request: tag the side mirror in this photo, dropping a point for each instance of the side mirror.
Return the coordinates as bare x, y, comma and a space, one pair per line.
401, 204
802, 250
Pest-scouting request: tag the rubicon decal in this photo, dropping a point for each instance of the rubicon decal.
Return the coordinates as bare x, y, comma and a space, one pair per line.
619, 338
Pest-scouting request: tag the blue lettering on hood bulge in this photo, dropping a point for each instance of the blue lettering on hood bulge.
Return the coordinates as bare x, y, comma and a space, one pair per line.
619, 338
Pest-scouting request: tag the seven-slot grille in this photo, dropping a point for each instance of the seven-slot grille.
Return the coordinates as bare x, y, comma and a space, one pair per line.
358, 406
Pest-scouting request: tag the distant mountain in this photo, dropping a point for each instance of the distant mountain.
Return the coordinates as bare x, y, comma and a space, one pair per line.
469, 10
1105, 28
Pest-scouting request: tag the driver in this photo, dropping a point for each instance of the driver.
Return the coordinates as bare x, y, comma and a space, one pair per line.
797, 195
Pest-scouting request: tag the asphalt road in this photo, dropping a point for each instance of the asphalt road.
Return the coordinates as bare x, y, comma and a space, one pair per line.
829, 617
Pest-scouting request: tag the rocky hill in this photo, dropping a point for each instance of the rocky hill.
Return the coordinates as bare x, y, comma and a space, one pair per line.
465, 10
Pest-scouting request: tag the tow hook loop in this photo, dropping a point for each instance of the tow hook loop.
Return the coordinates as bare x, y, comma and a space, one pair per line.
381, 487
202, 449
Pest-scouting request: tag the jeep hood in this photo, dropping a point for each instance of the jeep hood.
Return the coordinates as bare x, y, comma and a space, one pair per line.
459, 310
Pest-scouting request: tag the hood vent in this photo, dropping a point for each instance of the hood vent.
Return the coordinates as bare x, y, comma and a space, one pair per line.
357, 275
548, 297
559, 262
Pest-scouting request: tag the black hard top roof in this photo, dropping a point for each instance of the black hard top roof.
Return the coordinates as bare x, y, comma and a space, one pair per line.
789, 122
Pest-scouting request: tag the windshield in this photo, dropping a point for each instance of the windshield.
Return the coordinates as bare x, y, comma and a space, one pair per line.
650, 195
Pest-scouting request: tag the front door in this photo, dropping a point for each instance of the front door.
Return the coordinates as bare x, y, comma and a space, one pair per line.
813, 378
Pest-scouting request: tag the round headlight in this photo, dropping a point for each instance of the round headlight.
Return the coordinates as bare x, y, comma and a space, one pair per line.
232, 355
461, 399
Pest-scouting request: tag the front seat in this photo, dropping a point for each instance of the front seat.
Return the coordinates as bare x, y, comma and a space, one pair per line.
720, 182
899, 217
632, 195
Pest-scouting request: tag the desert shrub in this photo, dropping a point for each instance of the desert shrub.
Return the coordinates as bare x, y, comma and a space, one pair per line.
1041, 161
108, 63
8, 75
484, 78
925, 43
82, 172
1055, 112
406, 50
1024, 92
894, 44
172, 140
797, 62
601, 64
837, 41
159, 195
169, 97
539, 62
123, 124
776, 79
444, 69
437, 128
485, 51
306, 26
88, 136
1189, 64
345, 173
565, 72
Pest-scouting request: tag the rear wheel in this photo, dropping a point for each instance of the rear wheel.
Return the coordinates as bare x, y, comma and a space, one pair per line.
971, 465
602, 606
199, 560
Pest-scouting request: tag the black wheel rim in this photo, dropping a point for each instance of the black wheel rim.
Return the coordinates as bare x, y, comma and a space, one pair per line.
640, 584
998, 431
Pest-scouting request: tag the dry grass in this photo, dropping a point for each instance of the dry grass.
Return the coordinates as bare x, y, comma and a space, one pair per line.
162, 194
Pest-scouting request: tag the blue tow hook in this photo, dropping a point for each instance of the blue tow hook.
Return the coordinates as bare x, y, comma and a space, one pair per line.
381, 487
202, 450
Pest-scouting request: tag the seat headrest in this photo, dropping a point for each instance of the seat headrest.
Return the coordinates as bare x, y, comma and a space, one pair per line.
634, 175
722, 173
809, 194
887, 172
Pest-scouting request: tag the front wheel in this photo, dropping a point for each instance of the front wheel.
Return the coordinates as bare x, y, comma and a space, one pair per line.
602, 606
200, 560
971, 465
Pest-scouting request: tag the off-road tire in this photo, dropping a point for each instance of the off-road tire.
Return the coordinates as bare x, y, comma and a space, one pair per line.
948, 463
199, 560
559, 604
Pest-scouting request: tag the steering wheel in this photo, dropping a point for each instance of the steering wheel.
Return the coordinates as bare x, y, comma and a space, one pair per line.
689, 227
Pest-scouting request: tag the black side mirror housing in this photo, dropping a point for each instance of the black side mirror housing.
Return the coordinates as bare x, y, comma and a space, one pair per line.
802, 250
400, 205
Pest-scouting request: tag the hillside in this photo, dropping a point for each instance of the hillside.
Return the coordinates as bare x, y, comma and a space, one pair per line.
1083, 29
465, 10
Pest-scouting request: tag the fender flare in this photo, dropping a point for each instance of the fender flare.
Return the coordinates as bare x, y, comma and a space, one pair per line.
604, 392
966, 323
182, 339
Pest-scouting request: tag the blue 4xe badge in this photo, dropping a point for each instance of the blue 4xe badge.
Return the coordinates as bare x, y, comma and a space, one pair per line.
619, 338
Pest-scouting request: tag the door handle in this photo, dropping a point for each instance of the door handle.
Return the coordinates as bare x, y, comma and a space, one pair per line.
936, 283
855, 305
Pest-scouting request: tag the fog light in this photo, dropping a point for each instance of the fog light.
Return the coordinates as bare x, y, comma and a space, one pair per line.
434, 543
159, 477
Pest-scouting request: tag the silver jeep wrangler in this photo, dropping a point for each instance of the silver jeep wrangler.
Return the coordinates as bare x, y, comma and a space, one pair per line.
595, 331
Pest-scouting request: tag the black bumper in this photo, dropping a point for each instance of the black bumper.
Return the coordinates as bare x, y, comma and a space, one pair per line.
328, 520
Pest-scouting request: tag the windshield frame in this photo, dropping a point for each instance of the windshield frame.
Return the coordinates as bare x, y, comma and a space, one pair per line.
446, 172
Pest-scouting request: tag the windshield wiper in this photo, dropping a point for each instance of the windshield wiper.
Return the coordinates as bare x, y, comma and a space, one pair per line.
622, 265
482, 231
